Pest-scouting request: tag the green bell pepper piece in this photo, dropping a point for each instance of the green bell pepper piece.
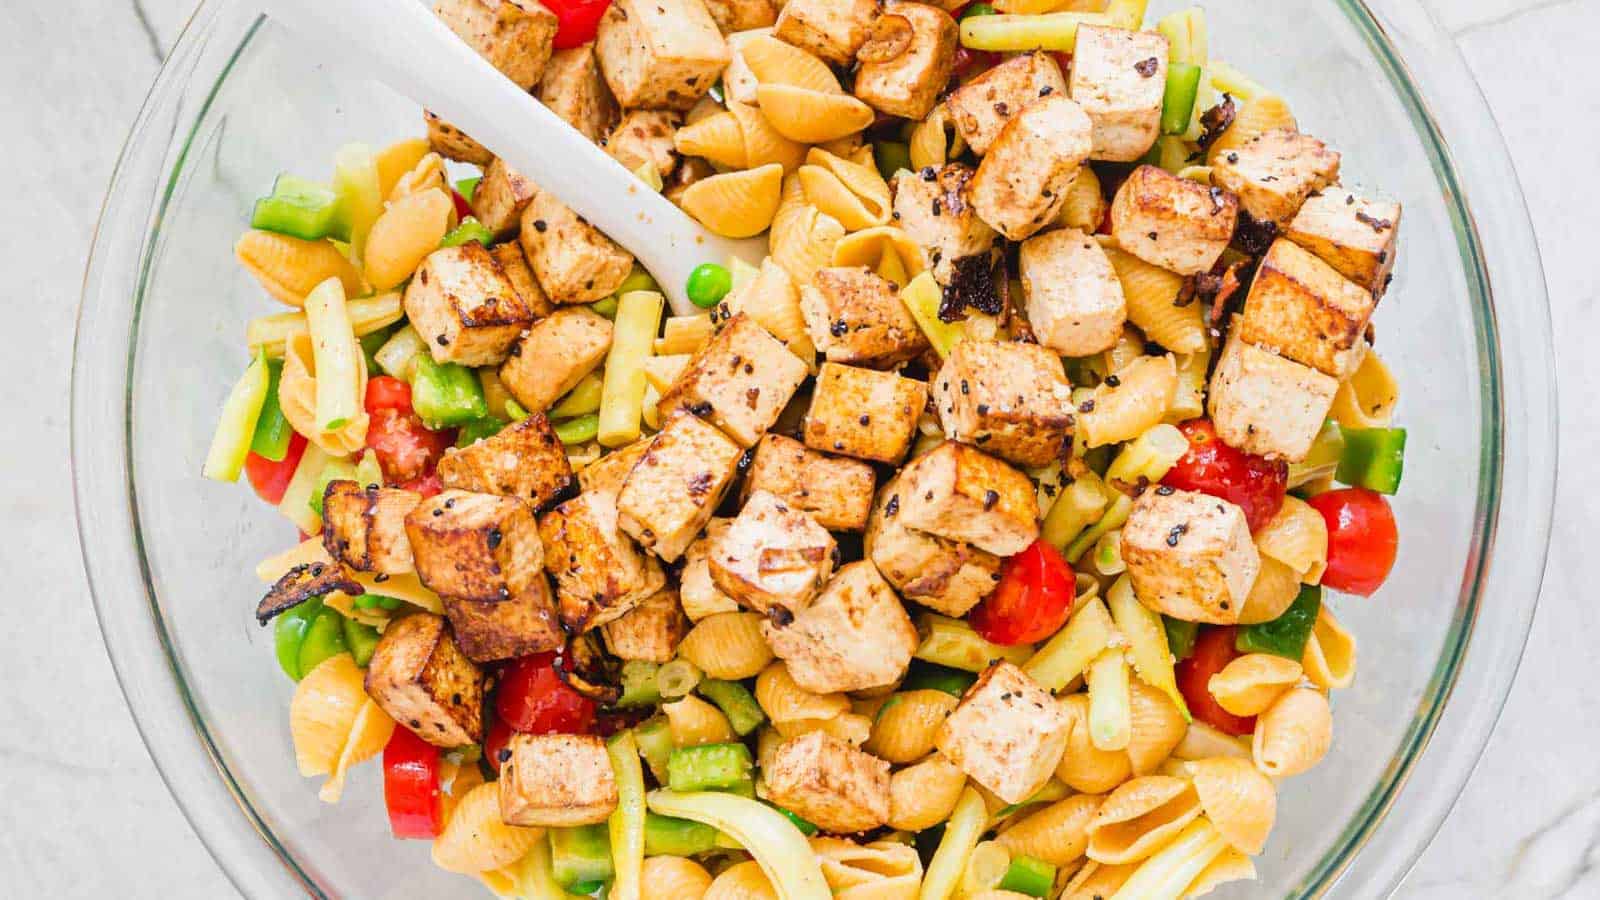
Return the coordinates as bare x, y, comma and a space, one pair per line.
580, 854
578, 430
891, 157
1286, 635
654, 737
1030, 876
371, 601
709, 767
1374, 458
466, 187
1180, 636
1177, 104
301, 208
271, 438
605, 307
639, 684
806, 828
667, 836
446, 394
361, 639
289, 633
324, 639
372, 342
470, 229
929, 677
335, 470
736, 702
477, 430
585, 888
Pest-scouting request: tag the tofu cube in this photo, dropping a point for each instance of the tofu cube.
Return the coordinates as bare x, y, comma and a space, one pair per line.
1007, 734
1177, 224
423, 681
1301, 308
961, 493
1071, 294
515, 265
525, 460
513, 35
742, 15
607, 474
465, 307
853, 637
855, 317
451, 142
739, 381
772, 555
660, 54
829, 783
835, 492
557, 781
645, 136
1022, 182
934, 208
864, 413
1119, 78
501, 196
1264, 404
1190, 555
831, 29
475, 546
1011, 399
574, 89
1353, 234
364, 526
903, 71
697, 590
946, 576
600, 574
1274, 172
492, 630
554, 355
572, 260
983, 106
650, 632
671, 492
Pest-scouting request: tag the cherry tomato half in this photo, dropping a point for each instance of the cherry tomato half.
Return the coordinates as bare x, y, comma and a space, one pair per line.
270, 479
427, 485
463, 205
494, 743
387, 392
1362, 539
406, 449
1032, 601
1255, 483
411, 786
578, 21
533, 699
1213, 650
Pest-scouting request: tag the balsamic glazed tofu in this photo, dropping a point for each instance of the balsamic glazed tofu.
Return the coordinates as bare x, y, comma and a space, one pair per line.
364, 527
600, 573
1190, 555
1023, 180
646, 136
556, 781
963, 494
1007, 734
671, 492
1011, 399
829, 783
946, 576
491, 630
524, 460
836, 492
1265, 404
739, 381
553, 356
1302, 309
659, 54
831, 29
513, 35
697, 590
423, 681
475, 546
512, 261
733, 16
465, 307
572, 260
854, 636
573, 89
451, 142
650, 632
1071, 294
934, 207
1274, 172
501, 196
772, 556
863, 413
1177, 224
907, 59
982, 107
1353, 234
1119, 77
856, 317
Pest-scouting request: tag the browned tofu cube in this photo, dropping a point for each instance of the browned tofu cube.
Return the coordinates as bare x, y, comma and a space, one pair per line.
1171, 222
557, 781
554, 355
651, 631
739, 381
572, 260
1012, 399
742, 15
525, 460
1023, 180
946, 576
423, 681
864, 413
364, 526
855, 317
600, 574
1353, 234
660, 54
670, 494
475, 546
1007, 734
961, 493
1274, 172
831, 29
697, 590
934, 207
451, 142
1119, 77
646, 136
513, 35
573, 89
490, 630
1071, 294
1264, 404
515, 265
829, 783
836, 492
465, 307
1190, 555
854, 636
903, 70
772, 555
607, 474
500, 198
983, 106
1302, 309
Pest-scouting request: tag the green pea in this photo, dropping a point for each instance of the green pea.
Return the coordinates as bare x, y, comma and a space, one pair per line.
708, 284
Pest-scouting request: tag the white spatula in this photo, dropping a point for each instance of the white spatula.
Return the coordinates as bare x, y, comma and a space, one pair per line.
406, 47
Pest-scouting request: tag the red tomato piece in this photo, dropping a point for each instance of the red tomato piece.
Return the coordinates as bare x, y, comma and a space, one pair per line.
1255, 483
463, 205
1033, 600
533, 699
411, 786
1362, 539
427, 485
387, 392
494, 743
578, 21
1213, 650
270, 479
406, 449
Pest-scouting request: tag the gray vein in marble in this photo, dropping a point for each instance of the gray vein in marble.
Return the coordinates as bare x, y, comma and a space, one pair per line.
1511, 15
143, 17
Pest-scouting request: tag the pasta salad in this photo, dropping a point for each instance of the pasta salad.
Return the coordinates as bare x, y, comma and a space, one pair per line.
974, 544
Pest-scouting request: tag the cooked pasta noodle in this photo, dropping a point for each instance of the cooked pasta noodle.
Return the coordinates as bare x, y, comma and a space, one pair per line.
333, 724
1202, 741
1157, 727
1240, 801
1057, 834
1274, 590
1107, 679
367, 315
887, 250
735, 204
1084, 767
1170, 871
1297, 537
428, 173
986, 868
848, 727
1255, 117
673, 878
923, 795
881, 870
297, 397
1330, 657
771, 299
289, 267
475, 839
1152, 296
784, 701
1252, 682
905, 725
694, 722
1293, 734
854, 194
1368, 397
1140, 398
397, 159
404, 235
727, 646
1085, 207
812, 117
935, 140
802, 237
1141, 817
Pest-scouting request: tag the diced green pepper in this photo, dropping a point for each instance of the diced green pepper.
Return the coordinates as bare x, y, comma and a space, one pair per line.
1180, 636
1030, 876
639, 684
605, 307
666, 836
289, 633
477, 430
515, 411
580, 854
709, 767
929, 677
585, 888
446, 394
361, 639
271, 438
324, 639
335, 470
637, 280
655, 745
1373, 458
372, 342
891, 157
1286, 635
470, 229
1327, 449
376, 601
744, 787
579, 430
806, 828
466, 187
1177, 104
977, 9
736, 702
301, 208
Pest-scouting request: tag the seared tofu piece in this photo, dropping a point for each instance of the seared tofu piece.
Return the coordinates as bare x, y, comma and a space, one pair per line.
1023, 180
491, 630
1353, 234
475, 546
1007, 734
903, 70
500, 198
856, 317
646, 136
946, 576
650, 632
1012, 399
1274, 172
739, 381
1190, 555
934, 207
607, 474
671, 492
836, 492
364, 526
660, 54
525, 460
863, 413
557, 781
772, 555
1264, 404
515, 265
600, 574
853, 637
554, 355
829, 783
465, 307
1302, 309
983, 106
574, 89
1071, 294
961, 493
742, 15
697, 590
513, 35
1177, 224
451, 142
831, 29
423, 681
572, 260
1119, 78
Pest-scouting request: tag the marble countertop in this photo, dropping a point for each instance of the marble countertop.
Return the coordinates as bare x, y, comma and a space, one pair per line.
85, 813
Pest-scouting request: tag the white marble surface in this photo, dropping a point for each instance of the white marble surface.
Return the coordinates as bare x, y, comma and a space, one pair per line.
82, 810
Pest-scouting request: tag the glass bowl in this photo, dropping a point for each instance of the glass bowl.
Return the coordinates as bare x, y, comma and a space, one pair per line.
170, 556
